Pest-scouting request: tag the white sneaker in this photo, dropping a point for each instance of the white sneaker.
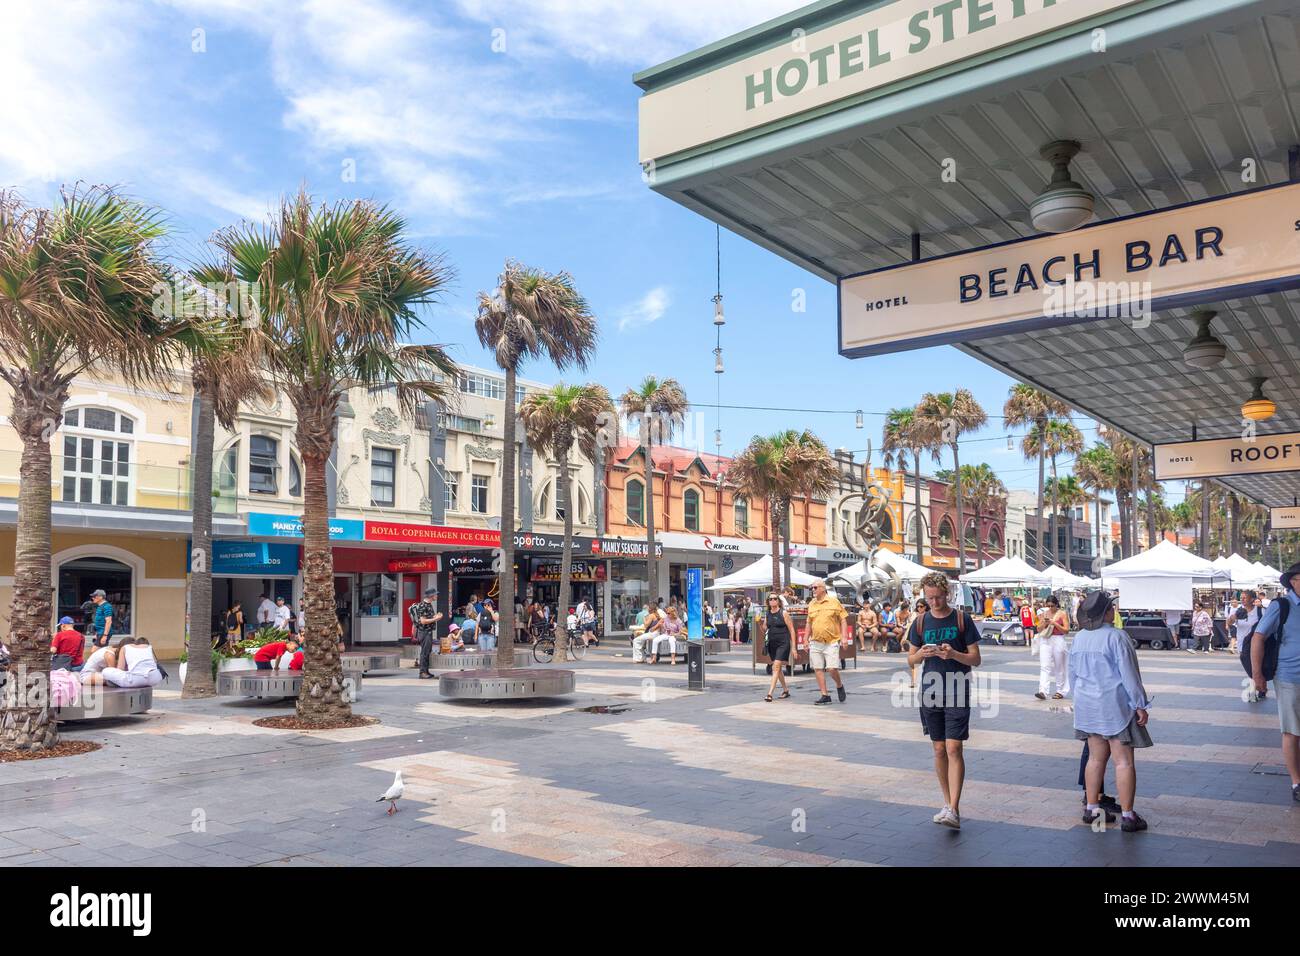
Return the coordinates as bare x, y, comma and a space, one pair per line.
951, 818
939, 817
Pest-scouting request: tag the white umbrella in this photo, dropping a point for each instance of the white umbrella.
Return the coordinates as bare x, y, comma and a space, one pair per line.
906, 569
1006, 570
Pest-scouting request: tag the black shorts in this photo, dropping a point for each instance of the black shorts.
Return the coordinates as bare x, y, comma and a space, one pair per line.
779, 651
946, 723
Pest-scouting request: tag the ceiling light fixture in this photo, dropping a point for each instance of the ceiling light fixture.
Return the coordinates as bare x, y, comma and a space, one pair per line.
1204, 351
1064, 204
1257, 407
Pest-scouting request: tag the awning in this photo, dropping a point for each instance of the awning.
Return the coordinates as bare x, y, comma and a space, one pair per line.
759, 575
1007, 571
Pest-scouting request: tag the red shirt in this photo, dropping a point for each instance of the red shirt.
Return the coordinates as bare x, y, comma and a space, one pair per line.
269, 653
1026, 616
295, 664
70, 642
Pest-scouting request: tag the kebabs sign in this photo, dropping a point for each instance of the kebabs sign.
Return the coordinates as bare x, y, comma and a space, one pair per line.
1221, 457
1244, 244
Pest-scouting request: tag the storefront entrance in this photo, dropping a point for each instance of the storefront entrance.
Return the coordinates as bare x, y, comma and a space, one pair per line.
80, 577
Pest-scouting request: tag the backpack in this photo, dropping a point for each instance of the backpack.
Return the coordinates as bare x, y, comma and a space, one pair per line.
486, 624
1270, 645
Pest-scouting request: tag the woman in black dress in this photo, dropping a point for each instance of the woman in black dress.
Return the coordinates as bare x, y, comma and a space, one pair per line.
778, 630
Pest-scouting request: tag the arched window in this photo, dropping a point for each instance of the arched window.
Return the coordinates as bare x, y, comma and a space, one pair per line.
971, 534
97, 456
995, 539
263, 465
691, 509
915, 528
81, 577
947, 531
635, 505
584, 503
295, 476
544, 502
742, 516
886, 527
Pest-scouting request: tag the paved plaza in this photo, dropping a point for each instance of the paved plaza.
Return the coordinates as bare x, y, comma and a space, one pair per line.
664, 776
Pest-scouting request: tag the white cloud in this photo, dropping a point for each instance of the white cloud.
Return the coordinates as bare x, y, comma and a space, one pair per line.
650, 308
638, 35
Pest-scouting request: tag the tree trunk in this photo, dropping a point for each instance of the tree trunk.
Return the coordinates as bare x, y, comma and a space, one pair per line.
920, 527
774, 531
651, 561
1234, 512
198, 675
26, 722
1205, 518
324, 696
1038, 523
1151, 506
505, 658
786, 510
563, 494
961, 513
1096, 503
1051, 520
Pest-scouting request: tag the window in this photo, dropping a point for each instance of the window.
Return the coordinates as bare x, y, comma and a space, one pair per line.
485, 385
946, 531
544, 503
96, 469
459, 423
915, 528
995, 539
971, 534
295, 477
742, 516
691, 509
228, 471
451, 491
635, 493
79, 578
886, 527
582, 504
478, 494
383, 476
263, 463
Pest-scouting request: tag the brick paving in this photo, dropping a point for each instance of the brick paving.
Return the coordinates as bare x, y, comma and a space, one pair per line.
676, 777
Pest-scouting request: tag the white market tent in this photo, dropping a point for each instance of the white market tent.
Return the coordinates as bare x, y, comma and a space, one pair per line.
906, 569
1267, 573
759, 575
1161, 578
1239, 572
1063, 580
1006, 570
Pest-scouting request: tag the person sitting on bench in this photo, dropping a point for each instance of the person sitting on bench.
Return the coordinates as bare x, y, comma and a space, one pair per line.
135, 667
93, 669
67, 646
267, 657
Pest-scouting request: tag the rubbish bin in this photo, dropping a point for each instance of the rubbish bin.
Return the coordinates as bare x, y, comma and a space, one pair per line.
695, 665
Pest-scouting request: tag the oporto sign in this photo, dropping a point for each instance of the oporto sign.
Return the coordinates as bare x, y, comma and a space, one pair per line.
857, 57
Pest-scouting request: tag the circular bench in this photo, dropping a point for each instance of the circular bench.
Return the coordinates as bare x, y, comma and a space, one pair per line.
516, 684
270, 685
363, 662
97, 701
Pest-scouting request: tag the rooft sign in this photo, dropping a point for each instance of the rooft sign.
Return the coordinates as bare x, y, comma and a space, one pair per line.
887, 43
1221, 457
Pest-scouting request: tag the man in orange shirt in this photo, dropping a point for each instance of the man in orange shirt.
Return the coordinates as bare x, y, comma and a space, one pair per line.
826, 617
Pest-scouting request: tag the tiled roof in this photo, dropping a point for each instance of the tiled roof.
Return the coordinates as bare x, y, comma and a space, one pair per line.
674, 460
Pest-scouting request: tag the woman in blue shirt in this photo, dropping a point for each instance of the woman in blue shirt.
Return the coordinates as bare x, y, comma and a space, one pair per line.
1110, 707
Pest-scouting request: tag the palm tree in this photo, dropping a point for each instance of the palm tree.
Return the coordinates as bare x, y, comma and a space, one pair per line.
982, 487
1210, 499
659, 405
810, 472
1067, 492
221, 380
1025, 407
531, 314
554, 422
79, 286
757, 475
338, 287
1183, 516
905, 429
948, 416
1095, 469
1058, 436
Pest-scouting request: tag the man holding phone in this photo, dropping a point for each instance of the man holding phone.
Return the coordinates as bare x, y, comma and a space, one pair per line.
947, 641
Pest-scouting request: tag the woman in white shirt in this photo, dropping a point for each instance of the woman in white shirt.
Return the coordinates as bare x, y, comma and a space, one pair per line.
136, 666
92, 672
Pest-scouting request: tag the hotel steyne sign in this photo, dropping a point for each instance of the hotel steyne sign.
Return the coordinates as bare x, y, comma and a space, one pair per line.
1220, 457
1283, 519
889, 43
1244, 244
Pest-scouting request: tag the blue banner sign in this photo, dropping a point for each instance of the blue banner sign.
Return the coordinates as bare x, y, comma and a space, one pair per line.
288, 526
250, 557
694, 603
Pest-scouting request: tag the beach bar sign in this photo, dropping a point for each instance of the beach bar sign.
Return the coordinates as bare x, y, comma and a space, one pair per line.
1244, 244
1224, 457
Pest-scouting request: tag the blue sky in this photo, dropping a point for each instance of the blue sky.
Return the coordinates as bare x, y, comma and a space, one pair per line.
499, 128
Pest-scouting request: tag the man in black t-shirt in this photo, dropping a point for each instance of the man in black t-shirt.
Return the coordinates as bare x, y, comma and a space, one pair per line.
948, 642
424, 618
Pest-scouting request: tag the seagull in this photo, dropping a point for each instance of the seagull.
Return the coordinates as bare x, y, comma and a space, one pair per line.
393, 794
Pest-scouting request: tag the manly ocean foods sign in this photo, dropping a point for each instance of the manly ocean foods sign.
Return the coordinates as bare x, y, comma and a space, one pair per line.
1258, 455
1124, 268
887, 44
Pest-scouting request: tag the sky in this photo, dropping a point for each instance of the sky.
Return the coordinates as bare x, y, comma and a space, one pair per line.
498, 129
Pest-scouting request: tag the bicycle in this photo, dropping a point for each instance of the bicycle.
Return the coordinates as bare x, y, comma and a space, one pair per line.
544, 649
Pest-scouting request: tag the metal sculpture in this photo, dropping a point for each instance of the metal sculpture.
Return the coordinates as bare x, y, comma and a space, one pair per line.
881, 582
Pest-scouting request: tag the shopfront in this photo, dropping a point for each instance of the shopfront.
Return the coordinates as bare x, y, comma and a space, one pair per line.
244, 570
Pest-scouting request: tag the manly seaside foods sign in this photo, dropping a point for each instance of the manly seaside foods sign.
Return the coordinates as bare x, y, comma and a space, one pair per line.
1244, 244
